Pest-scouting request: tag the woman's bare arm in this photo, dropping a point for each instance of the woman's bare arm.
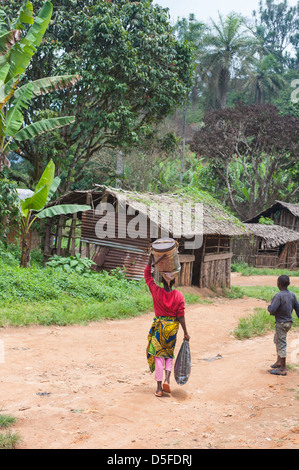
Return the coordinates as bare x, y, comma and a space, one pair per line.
183, 325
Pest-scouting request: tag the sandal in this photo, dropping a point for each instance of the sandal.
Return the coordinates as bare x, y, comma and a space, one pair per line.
277, 372
166, 387
159, 394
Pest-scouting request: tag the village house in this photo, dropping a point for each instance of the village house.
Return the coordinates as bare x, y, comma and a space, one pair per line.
205, 244
267, 246
281, 213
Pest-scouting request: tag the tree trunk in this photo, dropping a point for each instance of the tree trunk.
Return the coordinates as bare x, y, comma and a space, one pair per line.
119, 168
183, 144
223, 87
26, 245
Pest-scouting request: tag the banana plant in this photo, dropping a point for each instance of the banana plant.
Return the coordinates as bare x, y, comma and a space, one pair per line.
34, 207
16, 52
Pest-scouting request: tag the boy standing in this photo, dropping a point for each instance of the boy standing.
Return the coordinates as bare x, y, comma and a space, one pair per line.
281, 307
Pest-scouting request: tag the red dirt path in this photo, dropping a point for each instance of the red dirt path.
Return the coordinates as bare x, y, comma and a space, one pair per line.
89, 386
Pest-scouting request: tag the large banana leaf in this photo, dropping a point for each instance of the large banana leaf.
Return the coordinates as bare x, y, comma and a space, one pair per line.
39, 198
53, 189
38, 29
19, 57
37, 201
47, 177
7, 90
62, 209
25, 15
46, 125
22, 51
3, 73
48, 84
8, 39
14, 118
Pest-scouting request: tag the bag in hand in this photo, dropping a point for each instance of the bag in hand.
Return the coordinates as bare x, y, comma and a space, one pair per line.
182, 367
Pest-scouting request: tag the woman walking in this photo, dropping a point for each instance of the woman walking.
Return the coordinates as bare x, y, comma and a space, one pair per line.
169, 306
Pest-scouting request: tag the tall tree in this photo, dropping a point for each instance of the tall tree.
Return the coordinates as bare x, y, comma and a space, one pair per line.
17, 52
228, 45
134, 72
276, 27
193, 31
264, 79
253, 149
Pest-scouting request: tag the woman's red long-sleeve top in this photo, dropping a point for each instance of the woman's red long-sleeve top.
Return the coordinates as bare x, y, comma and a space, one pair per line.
166, 304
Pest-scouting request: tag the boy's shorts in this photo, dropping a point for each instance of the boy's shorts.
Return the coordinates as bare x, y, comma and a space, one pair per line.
280, 337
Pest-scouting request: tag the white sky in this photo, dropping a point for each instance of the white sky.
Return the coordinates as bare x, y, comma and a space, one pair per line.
206, 9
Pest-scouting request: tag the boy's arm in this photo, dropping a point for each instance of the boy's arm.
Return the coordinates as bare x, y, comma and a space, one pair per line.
272, 308
296, 306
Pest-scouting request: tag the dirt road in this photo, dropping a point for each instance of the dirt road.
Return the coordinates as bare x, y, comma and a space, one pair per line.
89, 386
239, 280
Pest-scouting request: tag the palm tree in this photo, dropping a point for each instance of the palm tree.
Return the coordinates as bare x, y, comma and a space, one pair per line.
228, 45
264, 79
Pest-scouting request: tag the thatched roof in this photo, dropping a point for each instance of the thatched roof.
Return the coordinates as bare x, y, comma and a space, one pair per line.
293, 208
272, 235
216, 219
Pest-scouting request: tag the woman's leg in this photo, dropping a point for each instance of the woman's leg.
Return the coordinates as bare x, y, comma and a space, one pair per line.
159, 366
168, 368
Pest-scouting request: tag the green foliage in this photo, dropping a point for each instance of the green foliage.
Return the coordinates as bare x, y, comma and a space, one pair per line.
8, 439
33, 207
253, 155
266, 221
71, 264
122, 50
257, 324
17, 52
52, 296
257, 292
9, 207
247, 270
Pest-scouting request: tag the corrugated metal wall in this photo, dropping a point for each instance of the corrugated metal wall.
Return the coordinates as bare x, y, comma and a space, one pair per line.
128, 253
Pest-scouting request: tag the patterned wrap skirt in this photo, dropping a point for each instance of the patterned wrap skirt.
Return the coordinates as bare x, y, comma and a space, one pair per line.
161, 339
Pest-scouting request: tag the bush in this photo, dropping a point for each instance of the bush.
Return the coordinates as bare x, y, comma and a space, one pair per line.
71, 264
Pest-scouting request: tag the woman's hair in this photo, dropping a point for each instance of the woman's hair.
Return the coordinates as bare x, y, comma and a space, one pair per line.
284, 280
165, 284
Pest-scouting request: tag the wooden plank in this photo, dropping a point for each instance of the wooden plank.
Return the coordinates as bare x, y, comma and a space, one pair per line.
219, 256
186, 258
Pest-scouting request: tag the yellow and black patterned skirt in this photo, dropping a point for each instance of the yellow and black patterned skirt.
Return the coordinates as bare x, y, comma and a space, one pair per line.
161, 339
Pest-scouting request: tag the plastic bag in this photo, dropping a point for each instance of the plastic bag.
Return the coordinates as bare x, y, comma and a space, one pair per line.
182, 367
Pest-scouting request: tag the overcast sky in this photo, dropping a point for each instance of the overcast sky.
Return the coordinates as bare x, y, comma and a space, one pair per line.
206, 9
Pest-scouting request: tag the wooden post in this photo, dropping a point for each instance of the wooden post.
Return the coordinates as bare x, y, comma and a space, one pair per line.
88, 202
73, 234
202, 262
47, 248
59, 234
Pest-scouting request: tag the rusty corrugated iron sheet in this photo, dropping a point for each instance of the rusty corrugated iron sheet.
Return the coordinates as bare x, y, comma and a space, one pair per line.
130, 254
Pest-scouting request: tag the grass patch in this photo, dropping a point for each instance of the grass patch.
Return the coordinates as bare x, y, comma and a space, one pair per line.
8, 439
257, 292
258, 324
46, 296
247, 270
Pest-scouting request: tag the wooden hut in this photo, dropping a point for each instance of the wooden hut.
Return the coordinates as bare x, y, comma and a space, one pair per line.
267, 246
282, 213
205, 265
